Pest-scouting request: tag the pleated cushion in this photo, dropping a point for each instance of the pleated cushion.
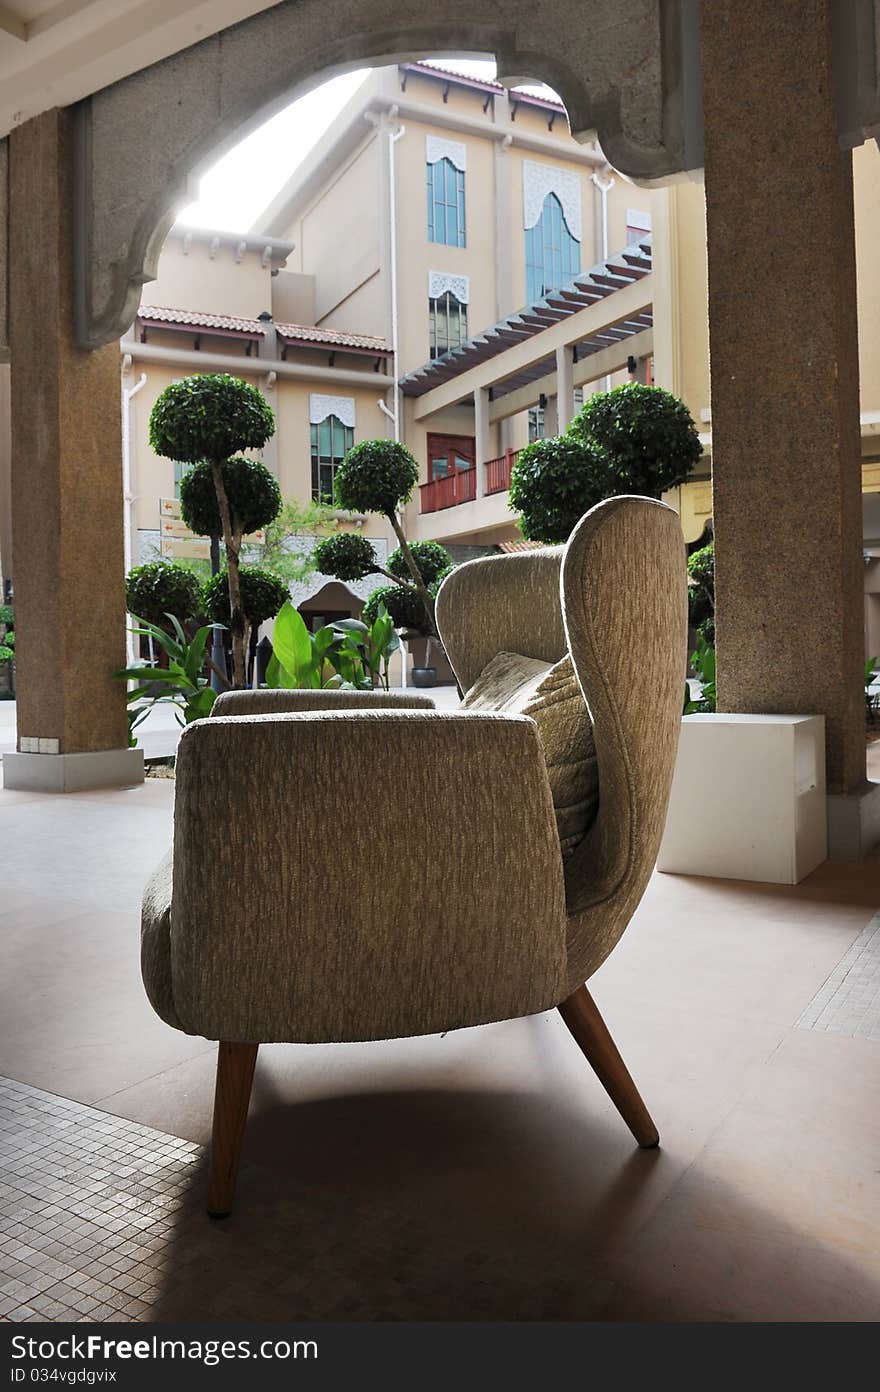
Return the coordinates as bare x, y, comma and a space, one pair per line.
551, 695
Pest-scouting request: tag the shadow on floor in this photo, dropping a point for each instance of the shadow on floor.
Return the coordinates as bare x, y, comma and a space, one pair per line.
475, 1206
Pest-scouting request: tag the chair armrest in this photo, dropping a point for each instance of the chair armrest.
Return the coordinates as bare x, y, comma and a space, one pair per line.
501, 604
280, 700
361, 874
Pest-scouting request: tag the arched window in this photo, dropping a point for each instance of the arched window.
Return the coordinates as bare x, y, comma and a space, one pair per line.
448, 319
331, 441
553, 255
446, 221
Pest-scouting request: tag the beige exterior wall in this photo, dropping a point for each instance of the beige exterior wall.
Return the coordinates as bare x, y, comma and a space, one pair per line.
195, 274
337, 240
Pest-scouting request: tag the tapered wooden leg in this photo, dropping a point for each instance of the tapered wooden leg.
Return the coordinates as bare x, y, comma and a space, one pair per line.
232, 1093
589, 1029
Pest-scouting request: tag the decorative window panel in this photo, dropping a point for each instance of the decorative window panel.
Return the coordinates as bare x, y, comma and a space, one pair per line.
553, 255
446, 209
448, 323
331, 441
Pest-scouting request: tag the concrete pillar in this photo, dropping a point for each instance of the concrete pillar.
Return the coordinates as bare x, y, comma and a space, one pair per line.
481, 436
67, 508
564, 389
785, 375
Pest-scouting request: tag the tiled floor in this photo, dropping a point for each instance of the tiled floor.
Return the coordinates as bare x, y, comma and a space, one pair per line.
482, 1174
849, 1001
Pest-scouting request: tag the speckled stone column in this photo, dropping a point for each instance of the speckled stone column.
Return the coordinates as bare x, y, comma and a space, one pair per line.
66, 471
785, 374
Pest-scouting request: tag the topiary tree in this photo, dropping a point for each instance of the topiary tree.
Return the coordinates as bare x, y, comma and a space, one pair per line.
206, 420
432, 559
646, 435
253, 493
262, 595
553, 483
403, 603
347, 556
379, 476
159, 588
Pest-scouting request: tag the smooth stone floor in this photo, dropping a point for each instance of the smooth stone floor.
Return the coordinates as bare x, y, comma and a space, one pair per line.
481, 1174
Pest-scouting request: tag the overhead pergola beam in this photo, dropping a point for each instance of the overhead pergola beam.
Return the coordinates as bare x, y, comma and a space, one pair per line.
599, 364
592, 322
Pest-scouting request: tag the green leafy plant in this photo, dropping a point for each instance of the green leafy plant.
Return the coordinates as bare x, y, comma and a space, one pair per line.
298, 655
6, 653
370, 647
704, 664
701, 591
280, 553
262, 595
180, 684
646, 435
159, 588
553, 482
206, 420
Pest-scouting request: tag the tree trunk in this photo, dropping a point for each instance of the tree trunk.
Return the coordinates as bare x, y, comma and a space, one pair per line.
414, 571
232, 541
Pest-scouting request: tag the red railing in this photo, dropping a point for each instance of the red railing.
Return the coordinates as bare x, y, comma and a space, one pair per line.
458, 487
498, 472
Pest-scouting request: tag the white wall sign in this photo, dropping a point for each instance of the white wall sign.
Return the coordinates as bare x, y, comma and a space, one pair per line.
438, 148
441, 281
541, 179
342, 407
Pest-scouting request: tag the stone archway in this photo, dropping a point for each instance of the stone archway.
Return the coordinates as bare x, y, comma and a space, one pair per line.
630, 74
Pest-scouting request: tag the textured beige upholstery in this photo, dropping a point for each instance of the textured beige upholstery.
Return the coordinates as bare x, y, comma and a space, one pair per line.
282, 700
361, 873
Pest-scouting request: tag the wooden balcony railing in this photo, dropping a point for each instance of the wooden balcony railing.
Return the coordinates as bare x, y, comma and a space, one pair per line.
457, 487
498, 472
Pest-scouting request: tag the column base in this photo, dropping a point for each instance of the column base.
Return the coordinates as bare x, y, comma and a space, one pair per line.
73, 773
748, 798
854, 822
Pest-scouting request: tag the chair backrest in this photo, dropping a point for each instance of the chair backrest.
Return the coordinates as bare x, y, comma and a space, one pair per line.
615, 597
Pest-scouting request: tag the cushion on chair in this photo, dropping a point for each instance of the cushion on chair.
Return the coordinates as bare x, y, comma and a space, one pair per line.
552, 696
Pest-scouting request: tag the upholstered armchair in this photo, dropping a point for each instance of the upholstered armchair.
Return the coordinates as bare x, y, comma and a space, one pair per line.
455, 889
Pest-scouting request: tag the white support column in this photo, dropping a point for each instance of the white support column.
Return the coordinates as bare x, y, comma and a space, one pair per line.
481, 435
564, 388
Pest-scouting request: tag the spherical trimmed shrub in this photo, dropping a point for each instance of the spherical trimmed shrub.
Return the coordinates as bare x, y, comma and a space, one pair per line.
159, 588
376, 476
262, 595
648, 436
431, 558
209, 416
403, 605
553, 483
347, 555
253, 493
6, 653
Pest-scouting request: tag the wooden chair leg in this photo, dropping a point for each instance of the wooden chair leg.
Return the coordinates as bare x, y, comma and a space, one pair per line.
232, 1093
589, 1029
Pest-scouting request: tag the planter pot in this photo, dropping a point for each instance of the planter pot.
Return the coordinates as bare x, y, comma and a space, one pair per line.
424, 676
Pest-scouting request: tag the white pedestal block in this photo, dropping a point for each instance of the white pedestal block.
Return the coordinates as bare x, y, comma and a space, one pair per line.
748, 798
73, 773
